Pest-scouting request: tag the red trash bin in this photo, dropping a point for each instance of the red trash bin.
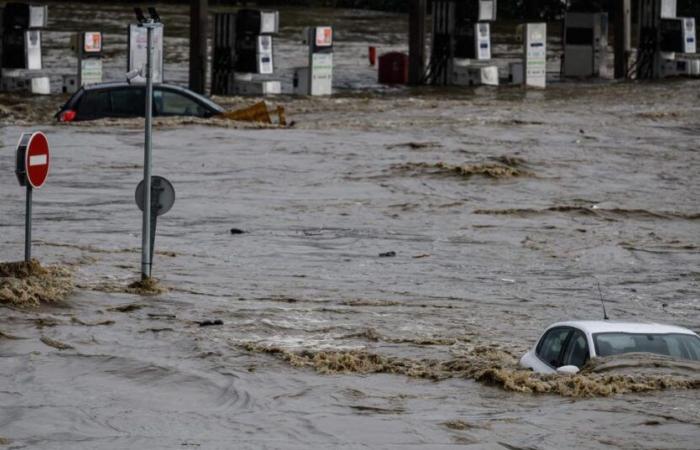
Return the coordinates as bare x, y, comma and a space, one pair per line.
393, 68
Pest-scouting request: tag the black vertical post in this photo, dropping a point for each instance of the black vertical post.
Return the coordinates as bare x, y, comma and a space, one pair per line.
416, 41
198, 45
648, 53
623, 33
28, 226
532, 10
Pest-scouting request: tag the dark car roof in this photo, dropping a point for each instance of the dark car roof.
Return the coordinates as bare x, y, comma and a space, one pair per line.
120, 84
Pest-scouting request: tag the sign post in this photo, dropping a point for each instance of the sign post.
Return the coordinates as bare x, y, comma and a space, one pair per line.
32, 169
150, 24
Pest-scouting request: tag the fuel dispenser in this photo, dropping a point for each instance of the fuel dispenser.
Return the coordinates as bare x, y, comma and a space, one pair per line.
317, 77
21, 48
678, 35
243, 48
585, 44
535, 55
88, 49
677, 41
461, 45
254, 30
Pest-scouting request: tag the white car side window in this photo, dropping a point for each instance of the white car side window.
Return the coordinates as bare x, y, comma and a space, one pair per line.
550, 348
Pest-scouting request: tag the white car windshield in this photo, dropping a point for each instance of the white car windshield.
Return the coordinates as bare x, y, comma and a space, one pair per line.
683, 346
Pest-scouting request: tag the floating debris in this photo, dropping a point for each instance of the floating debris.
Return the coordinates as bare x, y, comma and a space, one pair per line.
488, 170
9, 336
148, 286
415, 145
77, 321
127, 308
55, 344
256, 113
157, 330
461, 425
30, 284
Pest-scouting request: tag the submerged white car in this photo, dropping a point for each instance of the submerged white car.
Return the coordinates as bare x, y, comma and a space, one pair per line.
565, 347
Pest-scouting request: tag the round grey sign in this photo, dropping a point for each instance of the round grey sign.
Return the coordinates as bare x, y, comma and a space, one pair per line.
162, 195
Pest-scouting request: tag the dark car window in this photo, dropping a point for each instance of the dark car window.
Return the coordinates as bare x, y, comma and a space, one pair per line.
551, 346
128, 102
94, 104
171, 103
577, 351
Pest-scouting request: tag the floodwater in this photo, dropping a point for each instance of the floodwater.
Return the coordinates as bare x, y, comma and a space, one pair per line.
502, 209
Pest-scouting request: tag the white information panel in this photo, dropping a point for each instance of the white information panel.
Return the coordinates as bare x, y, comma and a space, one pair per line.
32, 48
321, 74
90, 71
138, 40
535, 66
669, 9
483, 41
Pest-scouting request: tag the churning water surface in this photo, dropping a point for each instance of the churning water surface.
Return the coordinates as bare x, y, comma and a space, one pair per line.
497, 211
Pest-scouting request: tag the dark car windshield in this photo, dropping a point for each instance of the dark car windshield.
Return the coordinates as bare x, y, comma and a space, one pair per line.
683, 346
208, 102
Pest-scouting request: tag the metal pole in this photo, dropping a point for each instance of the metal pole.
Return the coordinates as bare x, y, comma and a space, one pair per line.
416, 41
28, 226
147, 161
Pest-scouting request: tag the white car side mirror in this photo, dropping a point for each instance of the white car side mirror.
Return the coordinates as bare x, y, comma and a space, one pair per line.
568, 370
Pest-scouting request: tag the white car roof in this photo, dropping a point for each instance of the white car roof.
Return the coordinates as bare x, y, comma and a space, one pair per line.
609, 326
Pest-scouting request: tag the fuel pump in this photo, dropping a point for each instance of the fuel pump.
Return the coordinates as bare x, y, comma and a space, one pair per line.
21, 48
535, 55
665, 41
461, 45
585, 44
254, 53
88, 49
677, 40
317, 77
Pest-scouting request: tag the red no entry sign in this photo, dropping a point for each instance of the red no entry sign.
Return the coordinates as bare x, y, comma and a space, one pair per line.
37, 160
33, 159
32, 169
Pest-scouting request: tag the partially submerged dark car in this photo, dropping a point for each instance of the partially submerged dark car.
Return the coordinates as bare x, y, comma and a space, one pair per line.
123, 100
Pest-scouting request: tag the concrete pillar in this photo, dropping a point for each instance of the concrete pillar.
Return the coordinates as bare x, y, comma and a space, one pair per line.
623, 36
198, 45
416, 41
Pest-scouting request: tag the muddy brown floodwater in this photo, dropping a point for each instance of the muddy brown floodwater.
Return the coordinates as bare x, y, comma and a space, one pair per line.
275, 323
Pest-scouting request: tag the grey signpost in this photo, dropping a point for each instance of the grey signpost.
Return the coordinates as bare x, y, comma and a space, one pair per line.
150, 24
